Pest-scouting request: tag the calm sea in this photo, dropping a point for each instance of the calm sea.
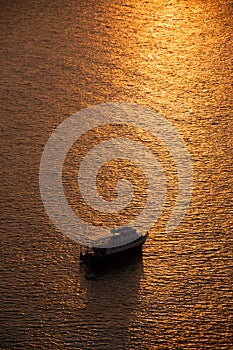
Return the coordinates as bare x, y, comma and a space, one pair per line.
174, 57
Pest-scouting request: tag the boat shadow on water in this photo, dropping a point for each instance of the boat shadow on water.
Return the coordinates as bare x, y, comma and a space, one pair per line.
114, 265
112, 300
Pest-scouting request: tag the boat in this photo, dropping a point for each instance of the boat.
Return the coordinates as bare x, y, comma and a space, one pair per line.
122, 241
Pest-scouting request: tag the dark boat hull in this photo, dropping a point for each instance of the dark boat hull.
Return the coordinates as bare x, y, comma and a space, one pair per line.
120, 256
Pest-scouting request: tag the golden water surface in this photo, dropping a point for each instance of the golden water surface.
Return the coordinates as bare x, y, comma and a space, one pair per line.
174, 57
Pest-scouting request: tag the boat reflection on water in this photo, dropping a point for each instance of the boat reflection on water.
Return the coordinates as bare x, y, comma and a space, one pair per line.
111, 303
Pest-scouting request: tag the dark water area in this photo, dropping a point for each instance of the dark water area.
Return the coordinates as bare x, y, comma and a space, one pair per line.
174, 57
